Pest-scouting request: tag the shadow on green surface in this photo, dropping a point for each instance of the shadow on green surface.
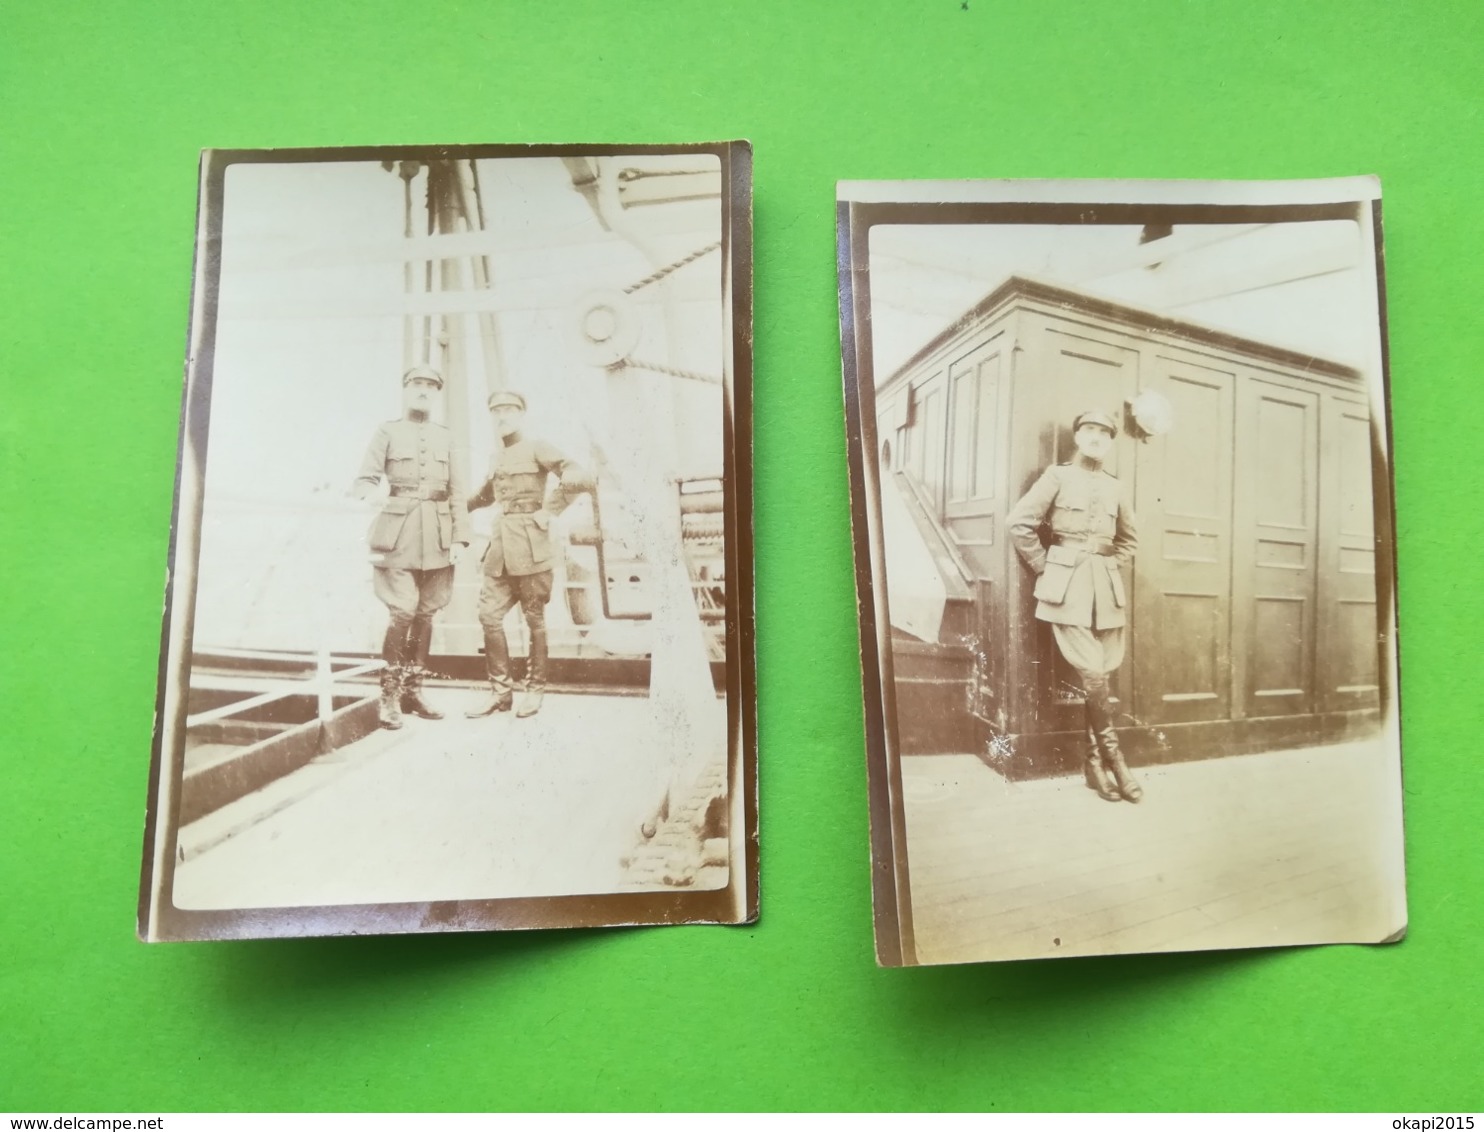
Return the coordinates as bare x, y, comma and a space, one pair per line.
260, 975
1042, 994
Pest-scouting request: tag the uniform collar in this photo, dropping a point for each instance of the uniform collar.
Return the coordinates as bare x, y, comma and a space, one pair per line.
416, 416
513, 439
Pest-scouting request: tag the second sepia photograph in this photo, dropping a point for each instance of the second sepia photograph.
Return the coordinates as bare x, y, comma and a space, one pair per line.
1121, 487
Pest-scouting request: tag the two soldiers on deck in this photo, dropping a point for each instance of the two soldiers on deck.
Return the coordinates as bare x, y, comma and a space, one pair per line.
422, 530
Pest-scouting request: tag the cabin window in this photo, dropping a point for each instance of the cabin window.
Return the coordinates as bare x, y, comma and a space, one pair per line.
916, 455
964, 414
903, 420
972, 458
986, 427
932, 441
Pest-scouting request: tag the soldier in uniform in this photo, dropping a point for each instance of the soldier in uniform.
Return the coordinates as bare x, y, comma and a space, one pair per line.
1079, 585
419, 533
517, 565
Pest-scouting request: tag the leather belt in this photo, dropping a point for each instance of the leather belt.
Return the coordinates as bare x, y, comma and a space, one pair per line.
431, 494
521, 507
1091, 545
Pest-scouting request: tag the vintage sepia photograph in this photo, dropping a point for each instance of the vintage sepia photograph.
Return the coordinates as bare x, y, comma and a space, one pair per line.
458, 627
1121, 491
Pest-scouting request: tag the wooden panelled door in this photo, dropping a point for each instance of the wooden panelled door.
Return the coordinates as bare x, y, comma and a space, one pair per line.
1184, 562
1276, 564
1255, 585
1348, 642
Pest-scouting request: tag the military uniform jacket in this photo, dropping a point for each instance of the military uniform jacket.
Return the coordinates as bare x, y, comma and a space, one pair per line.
1092, 536
520, 541
424, 514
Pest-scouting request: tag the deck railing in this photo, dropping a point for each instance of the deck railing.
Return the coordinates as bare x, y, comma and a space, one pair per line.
320, 683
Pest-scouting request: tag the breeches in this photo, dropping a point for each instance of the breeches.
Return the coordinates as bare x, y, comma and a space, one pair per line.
1094, 653
503, 592
413, 593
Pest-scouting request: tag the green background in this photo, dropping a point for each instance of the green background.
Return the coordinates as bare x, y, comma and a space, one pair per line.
105, 107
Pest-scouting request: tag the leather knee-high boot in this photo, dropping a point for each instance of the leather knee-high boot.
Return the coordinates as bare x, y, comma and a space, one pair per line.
497, 670
1100, 719
1093, 771
394, 652
535, 674
419, 641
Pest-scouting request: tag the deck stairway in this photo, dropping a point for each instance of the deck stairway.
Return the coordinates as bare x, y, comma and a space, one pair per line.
939, 660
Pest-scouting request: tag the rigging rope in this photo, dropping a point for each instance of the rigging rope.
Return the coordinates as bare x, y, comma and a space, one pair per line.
656, 276
670, 371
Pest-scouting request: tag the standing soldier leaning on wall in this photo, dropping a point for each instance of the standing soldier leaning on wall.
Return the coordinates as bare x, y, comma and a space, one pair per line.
417, 537
518, 563
1079, 584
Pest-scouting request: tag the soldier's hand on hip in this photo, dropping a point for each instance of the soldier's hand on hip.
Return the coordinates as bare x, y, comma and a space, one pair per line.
542, 519
457, 552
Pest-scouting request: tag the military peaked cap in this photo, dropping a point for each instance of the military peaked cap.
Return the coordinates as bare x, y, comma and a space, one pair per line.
426, 372
506, 397
1095, 417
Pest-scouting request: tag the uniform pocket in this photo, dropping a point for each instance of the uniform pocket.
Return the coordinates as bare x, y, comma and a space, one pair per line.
1069, 512
1051, 586
386, 528
1115, 575
401, 451
445, 525
540, 545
